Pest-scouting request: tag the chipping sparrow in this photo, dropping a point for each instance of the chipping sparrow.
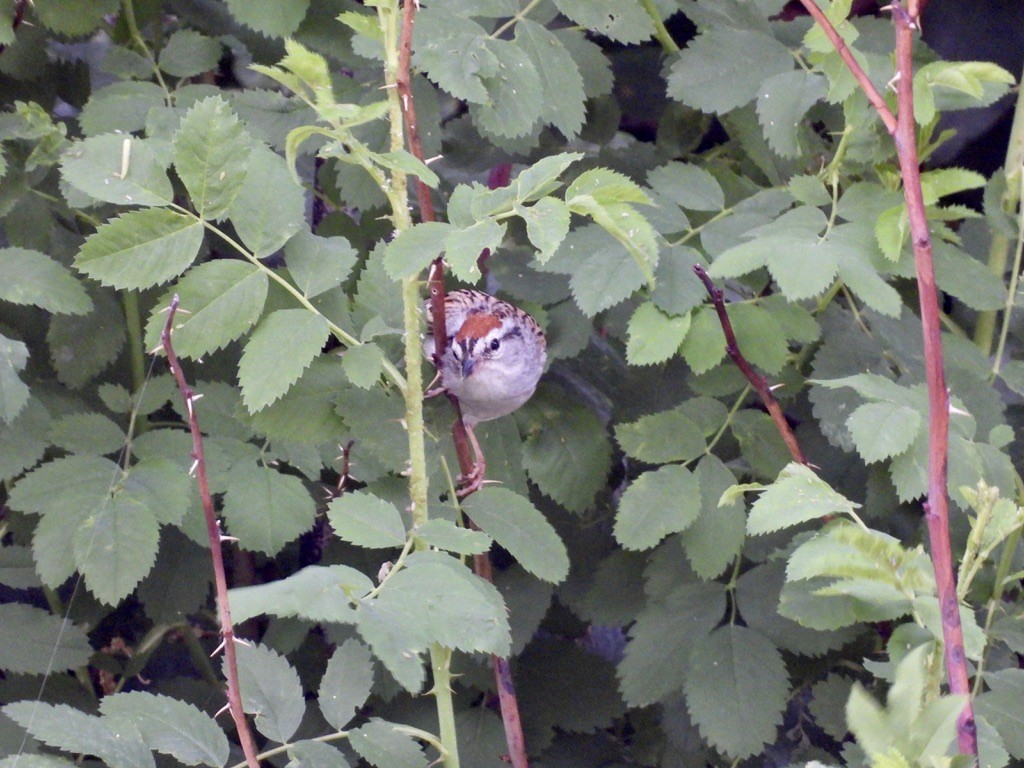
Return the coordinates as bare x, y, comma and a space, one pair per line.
494, 358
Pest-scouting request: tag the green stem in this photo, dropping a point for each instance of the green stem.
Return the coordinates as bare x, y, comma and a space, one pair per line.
660, 32
140, 41
1002, 571
1011, 293
440, 664
515, 19
137, 355
984, 329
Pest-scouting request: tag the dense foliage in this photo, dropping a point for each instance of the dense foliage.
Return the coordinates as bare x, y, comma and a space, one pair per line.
672, 588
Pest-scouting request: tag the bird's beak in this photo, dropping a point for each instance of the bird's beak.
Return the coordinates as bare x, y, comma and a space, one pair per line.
467, 366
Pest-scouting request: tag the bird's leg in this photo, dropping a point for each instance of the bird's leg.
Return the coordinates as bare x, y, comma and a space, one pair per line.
473, 479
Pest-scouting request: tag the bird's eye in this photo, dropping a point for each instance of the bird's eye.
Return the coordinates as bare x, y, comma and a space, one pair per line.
495, 344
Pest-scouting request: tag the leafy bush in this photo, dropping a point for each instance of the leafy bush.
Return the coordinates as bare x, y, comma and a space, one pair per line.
672, 587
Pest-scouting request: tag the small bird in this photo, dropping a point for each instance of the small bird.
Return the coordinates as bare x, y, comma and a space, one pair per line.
492, 362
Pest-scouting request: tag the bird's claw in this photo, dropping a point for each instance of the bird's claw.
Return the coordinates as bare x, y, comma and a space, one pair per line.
472, 482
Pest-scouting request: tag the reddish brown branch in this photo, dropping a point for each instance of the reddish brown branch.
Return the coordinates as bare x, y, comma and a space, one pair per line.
757, 381
904, 132
404, 82
213, 531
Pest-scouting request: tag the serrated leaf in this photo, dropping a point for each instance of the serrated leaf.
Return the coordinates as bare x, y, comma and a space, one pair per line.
782, 102
188, 53
737, 689
796, 496
316, 593
451, 50
547, 224
74, 18
273, 18
415, 248
270, 207
444, 534
883, 430
366, 520
122, 106
363, 364
688, 186
309, 753
120, 169
82, 346
513, 522
224, 298
567, 452
560, 79
759, 335
74, 731
660, 502
715, 538
464, 247
31, 277
271, 690
266, 509
606, 186
264, 373
346, 684
434, 599
171, 726
627, 226
659, 438
87, 433
14, 393
515, 95
318, 264
387, 745
607, 275
25, 629
891, 228
723, 68
140, 249
533, 180
115, 546
211, 156
654, 336
624, 22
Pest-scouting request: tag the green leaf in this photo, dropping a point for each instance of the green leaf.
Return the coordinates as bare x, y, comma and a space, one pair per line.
515, 93
796, 496
316, 593
560, 79
444, 534
67, 728
547, 224
737, 689
270, 690
14, 393
211, 156
115, 546
606, 276
451, 49
309, 753
463, 247
346, 684
434, 599
891, 228
223, 298
624, 22
760, 338
716, 537
31, 277
263, 372
704, 345
366, 520
141, 249
513, 522
660, 502
87, 433
606, 186
387, 745
363, 364
542, 177
170, 726
659, 438
273, 18
782, 103
120, 169
883, 430
25, 629
413, 249
74, 17
121, 107
654, 337
688, 186
188, 53
318, 264
24, 439
266, 509
723, 68
270, 207
567, 452
82, 347
306, 414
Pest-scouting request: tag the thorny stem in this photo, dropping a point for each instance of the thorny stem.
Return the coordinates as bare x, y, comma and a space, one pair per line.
904, 132
757, 381
227, 630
